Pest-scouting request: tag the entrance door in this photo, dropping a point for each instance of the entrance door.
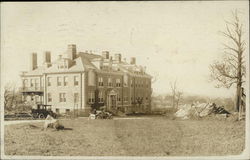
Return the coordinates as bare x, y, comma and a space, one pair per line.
112, 102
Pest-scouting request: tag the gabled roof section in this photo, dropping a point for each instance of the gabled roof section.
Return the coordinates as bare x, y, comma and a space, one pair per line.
83, 61
131, 70
36, 72
77, 66
86, 60
89, 56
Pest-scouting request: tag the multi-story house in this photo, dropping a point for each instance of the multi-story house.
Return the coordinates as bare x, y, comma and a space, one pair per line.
82, 80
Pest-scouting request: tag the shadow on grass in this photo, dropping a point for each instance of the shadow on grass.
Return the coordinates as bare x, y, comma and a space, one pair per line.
67, 129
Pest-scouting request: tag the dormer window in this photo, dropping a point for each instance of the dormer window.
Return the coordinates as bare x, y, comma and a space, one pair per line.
105, 67
63, 64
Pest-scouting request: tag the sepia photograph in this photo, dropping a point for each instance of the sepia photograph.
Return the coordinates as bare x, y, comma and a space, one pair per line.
125, 80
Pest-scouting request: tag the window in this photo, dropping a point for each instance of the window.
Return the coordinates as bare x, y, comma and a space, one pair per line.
59, 81
91, 96
100, 97
109, 82
125, 98
36, 98
67, 111
76, 97
65, 81
91, 78
57, 111
105, 67
118, 82
49, 97
36, 84
118, 98
49, 81
25, 83
42, 82
31, 82
131, 83
100, 81
62, 64
146, 83
62, 97
76, 80
125, 80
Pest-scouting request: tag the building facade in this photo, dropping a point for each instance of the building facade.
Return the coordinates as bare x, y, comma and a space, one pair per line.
82, 81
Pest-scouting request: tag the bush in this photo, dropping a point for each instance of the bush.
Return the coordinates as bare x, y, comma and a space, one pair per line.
20, 108
165, 111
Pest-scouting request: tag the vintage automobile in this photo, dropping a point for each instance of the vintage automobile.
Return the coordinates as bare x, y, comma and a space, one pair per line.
42, 111
103, 115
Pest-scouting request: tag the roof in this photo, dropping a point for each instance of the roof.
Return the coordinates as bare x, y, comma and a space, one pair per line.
36, 72
86, 61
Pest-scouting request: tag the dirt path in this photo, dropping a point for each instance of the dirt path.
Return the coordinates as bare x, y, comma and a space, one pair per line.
22, 121
35, 121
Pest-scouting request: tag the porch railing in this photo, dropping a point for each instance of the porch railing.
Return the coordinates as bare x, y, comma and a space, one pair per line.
31, 89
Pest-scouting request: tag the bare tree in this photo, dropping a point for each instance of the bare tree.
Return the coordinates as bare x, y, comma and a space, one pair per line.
231, 69
176, 95
9, 96
179, 97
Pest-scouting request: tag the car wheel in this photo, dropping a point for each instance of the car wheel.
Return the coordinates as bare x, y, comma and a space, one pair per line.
41, 116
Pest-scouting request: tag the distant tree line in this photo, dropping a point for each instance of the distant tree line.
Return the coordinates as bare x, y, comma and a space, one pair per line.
166, 101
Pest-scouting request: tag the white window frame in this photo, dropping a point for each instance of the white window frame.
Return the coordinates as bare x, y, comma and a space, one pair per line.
91, 97
25, 83
100, 81
76, 97
62, 97
65, 80
76, 80
118, 82
49, 81
118, 98
49, 97
125, 81
59, 81
100, 97
32, 84
109, 82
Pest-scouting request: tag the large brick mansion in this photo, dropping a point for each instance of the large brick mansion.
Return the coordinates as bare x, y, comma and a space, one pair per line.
82, 80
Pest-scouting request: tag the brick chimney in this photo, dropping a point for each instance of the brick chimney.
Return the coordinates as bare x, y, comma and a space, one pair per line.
118, 57
33, 61
47, 58
133, 60
105, 54
71, 51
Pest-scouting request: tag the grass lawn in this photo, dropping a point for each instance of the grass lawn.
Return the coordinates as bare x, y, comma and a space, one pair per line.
153, 136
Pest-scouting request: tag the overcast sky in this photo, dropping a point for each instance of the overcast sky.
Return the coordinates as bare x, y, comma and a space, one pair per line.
174, 40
